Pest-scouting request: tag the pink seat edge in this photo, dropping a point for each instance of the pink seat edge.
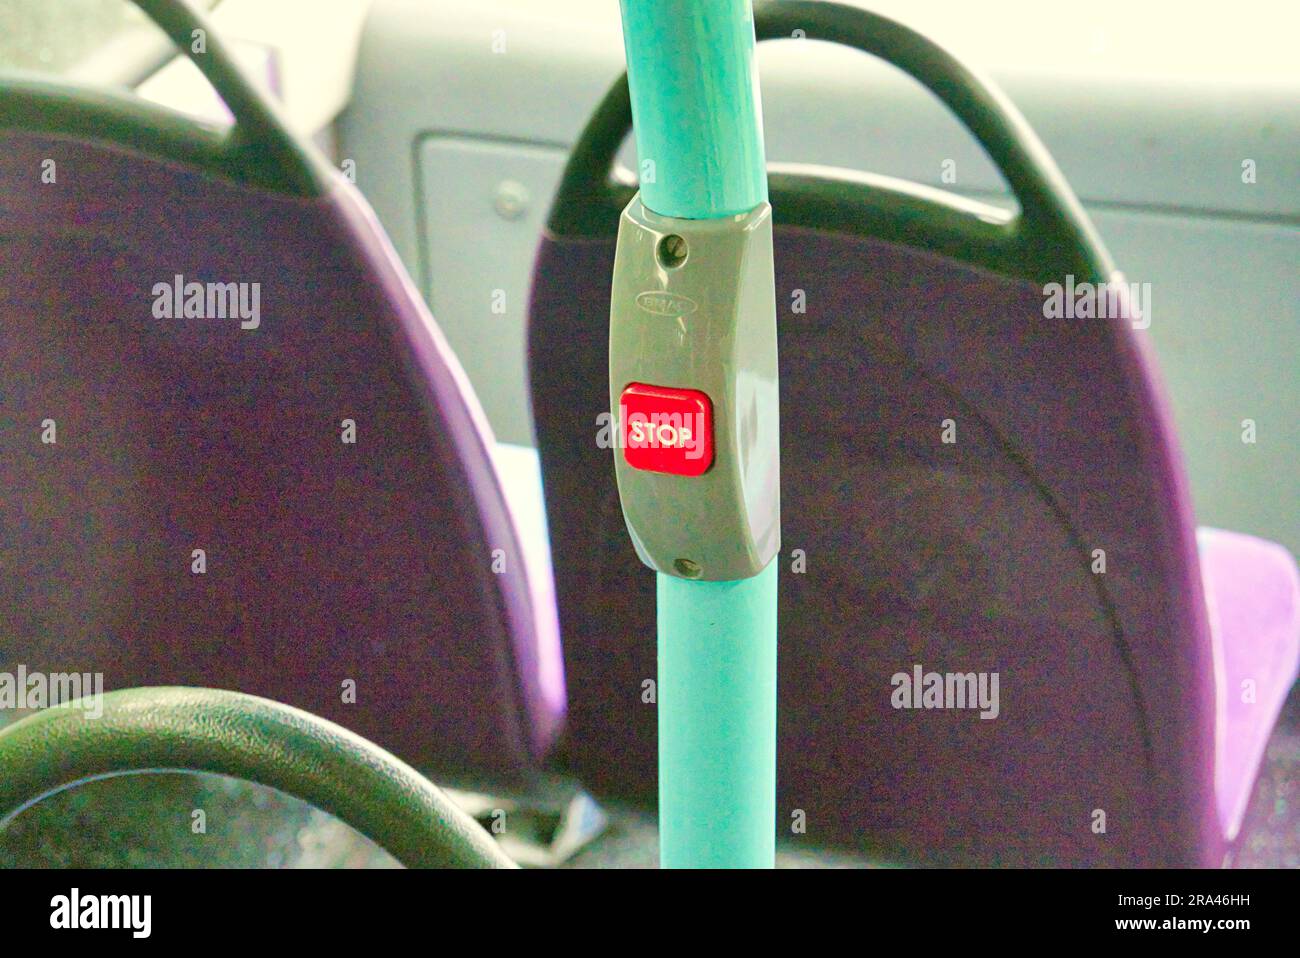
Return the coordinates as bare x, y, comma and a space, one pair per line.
1252, 594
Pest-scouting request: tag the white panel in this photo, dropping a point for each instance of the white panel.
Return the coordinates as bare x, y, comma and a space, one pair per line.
484, 206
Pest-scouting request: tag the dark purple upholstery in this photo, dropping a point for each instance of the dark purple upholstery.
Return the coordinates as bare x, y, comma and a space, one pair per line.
326, 562
970, 557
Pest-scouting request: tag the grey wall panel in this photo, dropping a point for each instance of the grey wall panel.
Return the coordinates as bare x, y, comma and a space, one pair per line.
484, 205
1225, 322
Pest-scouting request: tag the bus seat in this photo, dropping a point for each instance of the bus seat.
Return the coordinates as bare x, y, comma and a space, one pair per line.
972, 485
183, 500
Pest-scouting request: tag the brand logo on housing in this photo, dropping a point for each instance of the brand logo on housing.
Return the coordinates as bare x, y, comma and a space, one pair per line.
74, 911
39, 690
665, 304
946, 690
194, 300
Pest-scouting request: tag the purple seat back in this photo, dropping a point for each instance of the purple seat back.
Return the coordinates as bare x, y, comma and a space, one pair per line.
969, 486
974, 556
378, 583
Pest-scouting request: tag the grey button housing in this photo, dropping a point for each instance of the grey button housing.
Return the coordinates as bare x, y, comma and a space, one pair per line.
708, 323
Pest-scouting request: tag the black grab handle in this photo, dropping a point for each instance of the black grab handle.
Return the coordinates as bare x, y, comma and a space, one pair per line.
1050, 215
260, 146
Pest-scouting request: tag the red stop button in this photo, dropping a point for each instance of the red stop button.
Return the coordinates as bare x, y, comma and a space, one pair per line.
667, 430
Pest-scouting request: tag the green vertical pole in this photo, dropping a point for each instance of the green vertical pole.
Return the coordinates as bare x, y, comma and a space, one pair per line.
717, 722
695, 106
698, 125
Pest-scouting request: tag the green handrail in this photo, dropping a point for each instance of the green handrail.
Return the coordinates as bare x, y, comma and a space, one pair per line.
698, 126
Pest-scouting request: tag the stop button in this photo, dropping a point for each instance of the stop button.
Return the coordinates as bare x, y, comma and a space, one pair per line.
666, 429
